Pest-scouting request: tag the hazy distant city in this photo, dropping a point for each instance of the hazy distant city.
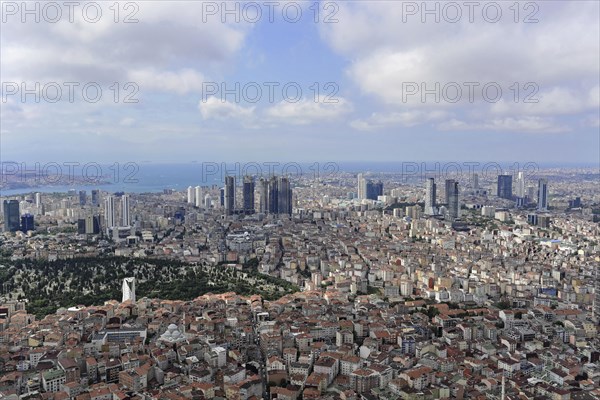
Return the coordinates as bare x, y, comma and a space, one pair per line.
300, 199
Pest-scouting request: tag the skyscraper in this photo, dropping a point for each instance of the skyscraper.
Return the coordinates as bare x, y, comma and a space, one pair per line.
92, 224
453, 208
198, 196
126, 219
82, 197
430, 196
505, 187
38, 199
129, 289
27, 223
449, 187
475, 181
109, 212
374, 190
88, 225
284, 196
229, 199
542, 195
190, 195
276, 196
263, 195
248, 195
596, 307
95, 197
362, 187
273, 196
520, 185
12, 221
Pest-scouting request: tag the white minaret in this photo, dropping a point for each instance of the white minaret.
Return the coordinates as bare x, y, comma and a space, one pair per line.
129, 289
198, 196
190, 195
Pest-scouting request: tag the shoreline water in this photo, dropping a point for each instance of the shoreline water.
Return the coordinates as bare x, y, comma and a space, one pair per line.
154, 178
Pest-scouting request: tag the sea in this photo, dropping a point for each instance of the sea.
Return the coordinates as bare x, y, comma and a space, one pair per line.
149, 177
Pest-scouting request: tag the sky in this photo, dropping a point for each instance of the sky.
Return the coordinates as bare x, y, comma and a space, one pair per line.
364, 81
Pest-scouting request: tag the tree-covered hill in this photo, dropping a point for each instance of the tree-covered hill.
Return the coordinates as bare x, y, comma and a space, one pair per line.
88, 281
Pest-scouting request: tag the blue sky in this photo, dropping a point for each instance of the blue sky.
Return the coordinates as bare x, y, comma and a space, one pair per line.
371, 60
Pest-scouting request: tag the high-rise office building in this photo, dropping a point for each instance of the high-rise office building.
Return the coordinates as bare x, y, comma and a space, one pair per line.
229, 199
38, 199
374, 190
430, 196
81, 226
82, 197
475, 181
362, 187
276, 196
505, 187
207, 201
542, 203
222, 197
12, 216
453, 207
198, 196
520, 190
190, 195
109, 212
576, 203
125, 217
273, 196
95, 198
596, 307
88, 225
448, 189
263, 195
27, 223
248, 193
284, 196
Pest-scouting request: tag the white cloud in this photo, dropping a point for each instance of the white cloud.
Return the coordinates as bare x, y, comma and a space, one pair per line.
214, 108
179, 82
389, 52
306, 111
170, 38
508, 124
556, 101
405, 119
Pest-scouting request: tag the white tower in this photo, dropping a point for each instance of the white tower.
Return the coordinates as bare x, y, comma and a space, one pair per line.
362, 187
520, 189
129, 289
198, 196
125, 210
190, 195
430, 197
109, 212
542, 195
